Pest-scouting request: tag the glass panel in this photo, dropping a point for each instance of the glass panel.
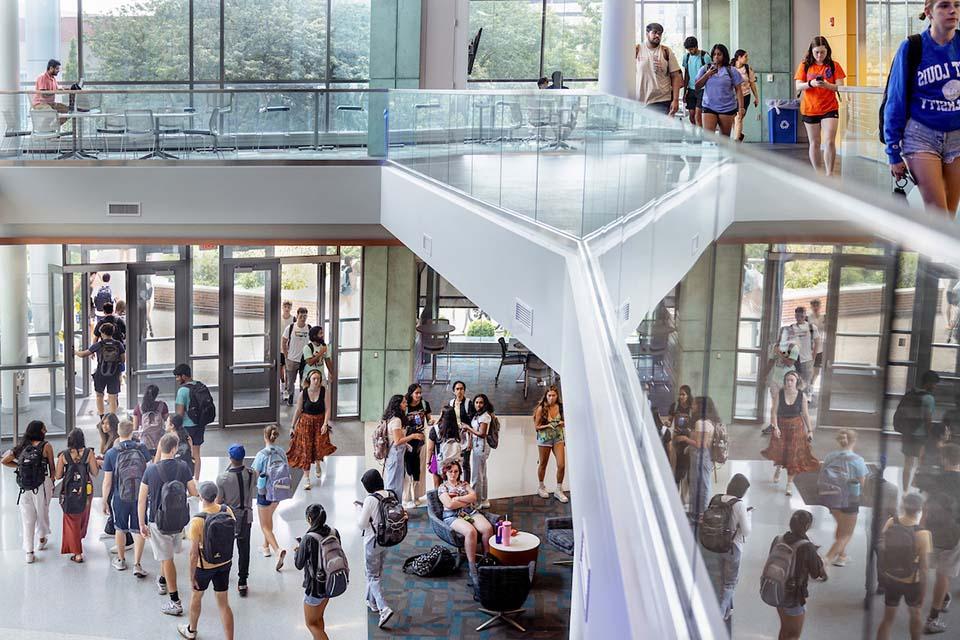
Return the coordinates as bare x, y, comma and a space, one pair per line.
571, 40
350, 283
678, 20
855, 391
856, 350
749, 335
944, 359
348, 375
946, 322
293, 251
751, 297
251, 35
807, 248
861, 298
862, 250
206, 40
510, 46
748, 367
746, 402
45, 33
350, 40
251, 387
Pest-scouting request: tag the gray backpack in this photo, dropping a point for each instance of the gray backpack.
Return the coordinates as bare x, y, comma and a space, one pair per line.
332, 572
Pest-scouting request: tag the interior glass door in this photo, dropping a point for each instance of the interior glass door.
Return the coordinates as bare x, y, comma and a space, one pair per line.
249, 339
855, 349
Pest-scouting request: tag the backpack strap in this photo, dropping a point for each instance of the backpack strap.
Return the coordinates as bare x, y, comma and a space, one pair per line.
914, 56
240, 483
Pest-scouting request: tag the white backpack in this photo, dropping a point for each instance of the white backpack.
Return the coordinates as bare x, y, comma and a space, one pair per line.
450, 450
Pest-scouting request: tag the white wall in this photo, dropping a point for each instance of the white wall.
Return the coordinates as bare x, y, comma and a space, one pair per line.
444, 39
806, 24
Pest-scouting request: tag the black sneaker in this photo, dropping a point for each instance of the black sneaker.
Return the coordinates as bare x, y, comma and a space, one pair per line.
242, 589
767, 430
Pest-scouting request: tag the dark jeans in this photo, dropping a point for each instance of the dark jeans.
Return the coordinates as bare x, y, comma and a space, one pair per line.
243, 551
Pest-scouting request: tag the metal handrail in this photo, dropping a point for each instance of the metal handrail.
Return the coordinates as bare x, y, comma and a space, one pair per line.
32, 365
276, 89
18, 380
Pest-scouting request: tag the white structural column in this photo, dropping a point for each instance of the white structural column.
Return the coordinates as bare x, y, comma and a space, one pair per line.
13, 320
9, 60
446, 36
40, 257
618, 36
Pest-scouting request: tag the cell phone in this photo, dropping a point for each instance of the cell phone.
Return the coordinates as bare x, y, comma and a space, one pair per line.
299, 540
819, 78
750, 508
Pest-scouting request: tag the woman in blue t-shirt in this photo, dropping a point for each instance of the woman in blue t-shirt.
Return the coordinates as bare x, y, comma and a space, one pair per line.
846, 517
721, 92
921, 118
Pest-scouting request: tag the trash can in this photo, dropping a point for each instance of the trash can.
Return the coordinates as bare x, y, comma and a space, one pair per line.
782, 121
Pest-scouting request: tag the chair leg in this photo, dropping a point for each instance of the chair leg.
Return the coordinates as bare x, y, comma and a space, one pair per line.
496, 380
567, 563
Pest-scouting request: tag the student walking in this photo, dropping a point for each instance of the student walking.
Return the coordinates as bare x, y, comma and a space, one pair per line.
943, 521
693, 60
211, 533
110, 354
196, 405
723, 545
150, 418
818, 78
792, 549
163, 513
310, 433
76, 467
32, 459
309, 556
721, 92
273, 486
368, 520
741, 62
236, 488
902, 567
913, 420
705, 420
418, 420
921, 128
789, 446
551, 437
839, 485
658, 73
295, 338
107, 428
123, 468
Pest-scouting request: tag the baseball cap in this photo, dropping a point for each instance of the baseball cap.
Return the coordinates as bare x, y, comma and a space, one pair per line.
208, 491
655, 26
237, 452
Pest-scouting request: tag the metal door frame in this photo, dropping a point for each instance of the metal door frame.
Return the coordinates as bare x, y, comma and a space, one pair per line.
66, 417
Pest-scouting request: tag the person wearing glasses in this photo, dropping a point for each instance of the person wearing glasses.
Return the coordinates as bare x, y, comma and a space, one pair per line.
658, 73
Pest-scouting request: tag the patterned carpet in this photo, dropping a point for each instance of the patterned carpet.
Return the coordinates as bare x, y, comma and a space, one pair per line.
444, 607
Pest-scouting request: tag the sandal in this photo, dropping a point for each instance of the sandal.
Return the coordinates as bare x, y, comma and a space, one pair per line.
283, 554
76, 558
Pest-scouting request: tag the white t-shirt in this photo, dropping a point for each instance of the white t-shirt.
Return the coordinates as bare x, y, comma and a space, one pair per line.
740, 520
297, 339
484, 418
800, 335
817, 321
370, 511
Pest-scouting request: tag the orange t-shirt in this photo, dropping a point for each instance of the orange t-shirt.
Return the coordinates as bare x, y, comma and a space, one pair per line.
817, 101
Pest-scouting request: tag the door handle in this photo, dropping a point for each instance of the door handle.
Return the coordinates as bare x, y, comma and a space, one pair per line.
253, 365
143, 372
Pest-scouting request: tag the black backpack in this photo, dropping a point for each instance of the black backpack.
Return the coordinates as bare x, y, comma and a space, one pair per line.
437, 562
76, 477
173, 513
202, 410
898, 555
104, 295
110, 357
31, 468
716, 525
219, 532
908, 418
131, 465
391, 525
914, 54
185, 454
942, 520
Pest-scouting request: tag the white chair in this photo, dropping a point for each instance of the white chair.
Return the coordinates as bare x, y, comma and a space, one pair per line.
139, 129
46, 127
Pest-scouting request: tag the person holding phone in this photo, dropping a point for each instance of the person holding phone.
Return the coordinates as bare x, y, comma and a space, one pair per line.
818, 78
721, 92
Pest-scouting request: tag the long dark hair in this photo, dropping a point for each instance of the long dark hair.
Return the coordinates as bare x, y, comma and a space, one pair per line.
487, 407
689, 406
413, 387
33, 433
393, 407
809, 60
75, 440
177, 421
314, 334
317, 520
448, 428
542, 405
704, 409
149, 401
739, 53
722, 48
108, 439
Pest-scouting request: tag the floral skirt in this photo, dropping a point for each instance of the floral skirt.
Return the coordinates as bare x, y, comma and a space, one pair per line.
308, 444
792, 449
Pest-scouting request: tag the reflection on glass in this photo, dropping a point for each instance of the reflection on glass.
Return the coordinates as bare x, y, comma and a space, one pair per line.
251, 384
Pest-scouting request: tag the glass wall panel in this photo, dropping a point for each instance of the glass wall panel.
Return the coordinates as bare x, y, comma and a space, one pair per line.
571, 38
678, 20
206, 40
286, 42
887, 23
48, 30
510, 45
350, 40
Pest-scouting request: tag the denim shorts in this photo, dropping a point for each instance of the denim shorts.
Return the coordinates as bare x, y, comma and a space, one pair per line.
797, 610
312, 601
919, 138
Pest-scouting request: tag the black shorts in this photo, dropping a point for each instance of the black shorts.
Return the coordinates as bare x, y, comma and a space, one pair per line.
720, 113
817, 119
853, 507
893, 591
196, 435
745, 103
109, 383
283, 360
911, 446
220, 577
693, 98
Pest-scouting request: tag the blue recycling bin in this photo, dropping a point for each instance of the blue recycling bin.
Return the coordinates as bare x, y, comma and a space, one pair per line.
782, 122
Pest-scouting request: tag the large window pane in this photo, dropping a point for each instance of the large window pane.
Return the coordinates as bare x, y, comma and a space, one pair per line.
678, 20
287, 41
46, 34
350, 40
510, 47
206, 40
572, 38
136, 40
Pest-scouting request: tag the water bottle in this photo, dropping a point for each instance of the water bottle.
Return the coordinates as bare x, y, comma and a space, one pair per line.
507, 531
499, 536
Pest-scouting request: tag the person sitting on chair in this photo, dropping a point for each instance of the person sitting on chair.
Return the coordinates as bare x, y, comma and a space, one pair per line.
460, 513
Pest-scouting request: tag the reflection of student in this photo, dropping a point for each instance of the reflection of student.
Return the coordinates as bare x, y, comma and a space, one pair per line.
542, 83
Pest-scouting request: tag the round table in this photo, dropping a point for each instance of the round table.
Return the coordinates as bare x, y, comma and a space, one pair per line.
524, 548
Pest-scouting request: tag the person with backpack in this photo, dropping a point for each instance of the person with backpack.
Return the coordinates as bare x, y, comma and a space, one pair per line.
913, 420
107, 428
902, 567
918, 118
789, 446
657, 73
394, 421
418, 420
211, 532
76, 468
236, 488
196, 405
817, 79
706, 421
723, 530
370, 520
310, 433
106, 377
150, 418
942, 519
463, 409
123, 469
839, 485
119, 325
721, 92
32, 459
480, 426
791, 563
184, 446
741, 62
273, 485
103, 296
460, 514
295, 338
551, 437
693, 60
163, 513
444, 443
320, 556
316, 355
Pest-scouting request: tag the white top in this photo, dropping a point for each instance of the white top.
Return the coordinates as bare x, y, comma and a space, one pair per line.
484, 418
369, 511
740, 520
800, 335
523, 541
297, 338
818, 322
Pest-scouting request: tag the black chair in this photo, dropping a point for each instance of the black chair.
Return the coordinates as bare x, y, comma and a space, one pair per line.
508, 357
502, 592
445, 533
560, 535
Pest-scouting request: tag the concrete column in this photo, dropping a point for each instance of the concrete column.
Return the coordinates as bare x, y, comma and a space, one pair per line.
446, 35
42, 39
40, 257
10, 60
618, 36
13, 320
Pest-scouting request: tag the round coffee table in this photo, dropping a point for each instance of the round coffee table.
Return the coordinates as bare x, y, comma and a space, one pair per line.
524, 548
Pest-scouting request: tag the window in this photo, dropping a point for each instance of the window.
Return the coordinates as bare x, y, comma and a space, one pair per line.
350, 40
511, 41
287, 42
887, 24
39, 43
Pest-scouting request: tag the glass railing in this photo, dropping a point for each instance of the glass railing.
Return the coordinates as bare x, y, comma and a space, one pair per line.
191, 124
862, 156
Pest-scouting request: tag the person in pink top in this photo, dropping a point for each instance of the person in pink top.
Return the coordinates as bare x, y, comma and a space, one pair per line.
47, 81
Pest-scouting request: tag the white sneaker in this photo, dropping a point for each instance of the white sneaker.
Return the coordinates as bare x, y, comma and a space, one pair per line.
161, 586
266, 552
31, 558
485, 504
172, 608
42, 544
542, 491
138, 571
119, 564
409, 504
184, 630
372, 607
385, 616
561, 496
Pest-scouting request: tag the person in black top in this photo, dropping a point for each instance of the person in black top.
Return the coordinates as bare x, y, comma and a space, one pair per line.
307, 557
446, 428
310, 435
808, 564
110, 359
942, 518
119, 326
417, 420
680, 423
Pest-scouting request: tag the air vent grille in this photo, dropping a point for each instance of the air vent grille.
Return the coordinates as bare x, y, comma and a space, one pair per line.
624, 312
123, 209
523, 315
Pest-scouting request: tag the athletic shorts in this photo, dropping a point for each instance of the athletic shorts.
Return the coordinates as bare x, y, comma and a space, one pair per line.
919, 138
911, 446
693, 98
109, 383
164, 545
125, 516
262, 500
893, 591
220, 577
947, 561
196, 435
720, 113
820, 118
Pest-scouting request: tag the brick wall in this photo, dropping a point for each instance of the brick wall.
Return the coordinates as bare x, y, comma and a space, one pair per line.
207, 300
854, 301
